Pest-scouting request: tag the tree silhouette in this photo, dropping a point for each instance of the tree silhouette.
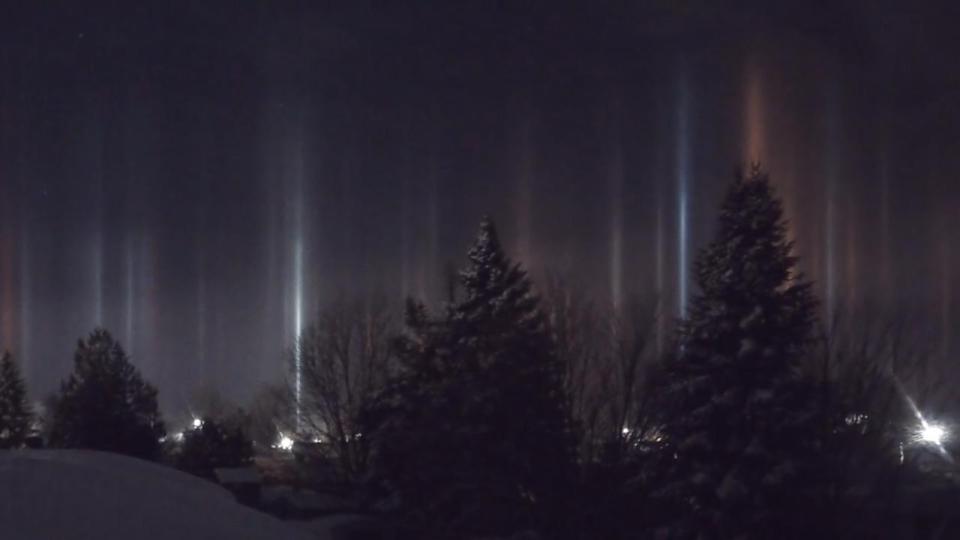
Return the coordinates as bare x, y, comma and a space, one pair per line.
105, 404
739, 409
474, 433
15, 413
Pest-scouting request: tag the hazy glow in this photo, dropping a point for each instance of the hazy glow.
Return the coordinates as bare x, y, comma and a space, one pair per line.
284, 443
201, 370
682, 168
946, 295
6, 286
831, 165
197, 423
886, 278
931, 433
616, 222
754, 117
97, 255
427, 270
851, 277
298, 233
830, 269
524, 200
660, 261
405, 234
206, 230
26, 293
298, 316
910, 402
756, 143
129, 294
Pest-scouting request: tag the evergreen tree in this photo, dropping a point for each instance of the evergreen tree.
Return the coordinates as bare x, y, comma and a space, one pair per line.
739, 411
14, 410
475, 430
105, 404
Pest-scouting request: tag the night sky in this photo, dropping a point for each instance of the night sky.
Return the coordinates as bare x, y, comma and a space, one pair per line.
200, 178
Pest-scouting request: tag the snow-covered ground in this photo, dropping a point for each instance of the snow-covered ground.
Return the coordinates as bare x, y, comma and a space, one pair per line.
339, 526
86, 495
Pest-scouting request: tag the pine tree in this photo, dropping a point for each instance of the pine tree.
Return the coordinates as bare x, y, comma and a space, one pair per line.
475, 430
15, 413
105, 404
739, 411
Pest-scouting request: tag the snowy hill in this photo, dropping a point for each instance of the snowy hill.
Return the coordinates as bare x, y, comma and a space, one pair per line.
86, 495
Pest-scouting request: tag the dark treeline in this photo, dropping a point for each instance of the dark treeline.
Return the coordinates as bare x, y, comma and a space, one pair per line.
517, 411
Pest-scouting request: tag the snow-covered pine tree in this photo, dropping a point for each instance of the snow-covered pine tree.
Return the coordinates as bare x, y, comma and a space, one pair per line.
15, 413
739, 413
501, 340
409, 425
105, 404
474, 432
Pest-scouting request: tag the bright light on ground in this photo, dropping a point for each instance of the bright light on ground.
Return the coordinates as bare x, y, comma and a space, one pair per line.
932, 433
197, 423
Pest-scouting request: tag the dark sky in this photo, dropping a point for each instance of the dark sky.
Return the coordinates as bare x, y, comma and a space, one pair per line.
200, 177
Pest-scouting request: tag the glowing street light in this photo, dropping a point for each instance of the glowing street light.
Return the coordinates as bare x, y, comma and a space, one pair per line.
931, 433
197, 423
284, 443
928, 433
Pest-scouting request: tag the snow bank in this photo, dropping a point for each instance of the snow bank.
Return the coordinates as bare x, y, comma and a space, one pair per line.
342, 526
87, 495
